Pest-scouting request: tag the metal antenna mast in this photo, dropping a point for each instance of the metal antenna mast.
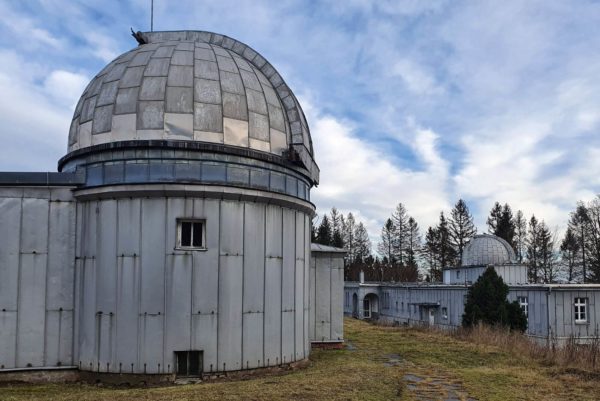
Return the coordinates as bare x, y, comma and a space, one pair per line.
151, 15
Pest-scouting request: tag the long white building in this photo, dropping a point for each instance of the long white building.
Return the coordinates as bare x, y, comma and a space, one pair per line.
555, 312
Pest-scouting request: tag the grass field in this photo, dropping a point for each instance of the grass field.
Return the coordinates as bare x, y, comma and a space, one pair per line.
383, 363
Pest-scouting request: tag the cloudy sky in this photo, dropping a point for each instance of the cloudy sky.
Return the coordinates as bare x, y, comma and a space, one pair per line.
419, 102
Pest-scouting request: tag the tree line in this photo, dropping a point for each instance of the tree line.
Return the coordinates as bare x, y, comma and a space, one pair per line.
403, 254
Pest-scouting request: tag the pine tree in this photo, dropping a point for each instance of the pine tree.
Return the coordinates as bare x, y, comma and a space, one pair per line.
580, 225
400, 220
462, 228
430, 251
501, 223
520, 235
494, 218
385, 247
337, 220
348, 236
446, 252
413, 250
363, 244
569, 250
533, 250
413, 243
547, 255
324, 232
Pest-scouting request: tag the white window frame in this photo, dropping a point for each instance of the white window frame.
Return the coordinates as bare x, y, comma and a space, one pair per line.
581, 310
524, 304
180, 222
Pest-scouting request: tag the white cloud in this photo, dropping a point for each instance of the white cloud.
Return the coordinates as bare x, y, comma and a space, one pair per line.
35, 126
358, 177
65, 86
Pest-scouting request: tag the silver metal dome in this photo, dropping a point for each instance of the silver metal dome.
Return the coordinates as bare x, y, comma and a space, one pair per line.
192, 86
486, 249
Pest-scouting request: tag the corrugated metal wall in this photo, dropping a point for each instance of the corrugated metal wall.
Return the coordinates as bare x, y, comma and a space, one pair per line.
37, 231
242, 301
327, 297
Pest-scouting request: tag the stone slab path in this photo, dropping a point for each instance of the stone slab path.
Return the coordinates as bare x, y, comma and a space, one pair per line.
425, 385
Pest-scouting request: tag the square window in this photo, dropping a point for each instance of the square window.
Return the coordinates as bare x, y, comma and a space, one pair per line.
581, 310
190, 234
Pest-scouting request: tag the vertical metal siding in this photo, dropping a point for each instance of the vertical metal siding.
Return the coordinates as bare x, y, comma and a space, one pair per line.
230, 285
273, 275
253, 290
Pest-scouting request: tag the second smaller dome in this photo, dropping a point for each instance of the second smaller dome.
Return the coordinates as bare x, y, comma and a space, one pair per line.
486, 249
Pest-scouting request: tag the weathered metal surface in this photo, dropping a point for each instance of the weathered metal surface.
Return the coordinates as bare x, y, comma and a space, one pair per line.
159, 78
37, 226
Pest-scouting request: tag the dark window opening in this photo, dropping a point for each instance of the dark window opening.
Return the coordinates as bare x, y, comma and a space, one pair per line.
190, 234
189, 363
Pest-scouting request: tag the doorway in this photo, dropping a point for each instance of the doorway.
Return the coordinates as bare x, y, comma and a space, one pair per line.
431, 316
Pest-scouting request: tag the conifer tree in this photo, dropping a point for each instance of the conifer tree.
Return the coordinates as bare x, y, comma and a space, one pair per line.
413, 243
363, 244
501, 223
324, 231
547, 255
580, 225
569, 250
386, 245
487, 304
520, 235
348, 237
533, 250
446, 252
337, 239
429, 253
462, 228
400, 220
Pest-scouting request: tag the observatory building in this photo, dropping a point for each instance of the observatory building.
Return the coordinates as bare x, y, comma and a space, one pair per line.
175, 238
555, 312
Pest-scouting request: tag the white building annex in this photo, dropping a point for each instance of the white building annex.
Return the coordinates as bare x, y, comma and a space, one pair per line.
555, 312
175, 238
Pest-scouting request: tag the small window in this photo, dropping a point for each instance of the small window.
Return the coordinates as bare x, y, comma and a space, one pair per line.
581, 310
445, 313
190, 234
458, 274
524, 304
189, 363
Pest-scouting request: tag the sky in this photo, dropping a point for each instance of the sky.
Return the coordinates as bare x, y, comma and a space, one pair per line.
419, 102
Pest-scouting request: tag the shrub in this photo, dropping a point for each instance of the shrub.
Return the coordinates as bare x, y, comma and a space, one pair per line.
487, 303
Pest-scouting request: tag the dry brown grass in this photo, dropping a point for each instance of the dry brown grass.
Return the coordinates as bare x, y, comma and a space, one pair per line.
485, 372
569, 355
